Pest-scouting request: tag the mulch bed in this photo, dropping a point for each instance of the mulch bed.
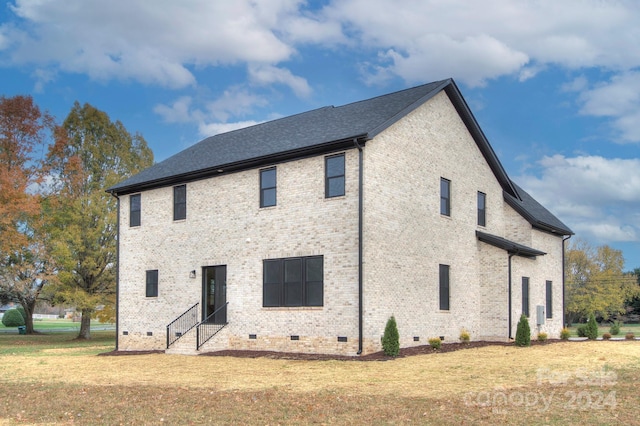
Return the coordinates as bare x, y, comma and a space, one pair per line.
377, 356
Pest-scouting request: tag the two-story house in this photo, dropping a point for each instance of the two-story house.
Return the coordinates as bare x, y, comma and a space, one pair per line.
306, 233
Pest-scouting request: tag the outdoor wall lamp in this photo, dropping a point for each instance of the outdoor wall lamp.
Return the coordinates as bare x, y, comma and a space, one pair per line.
192, 274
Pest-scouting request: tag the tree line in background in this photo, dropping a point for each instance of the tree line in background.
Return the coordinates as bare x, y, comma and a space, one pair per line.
596, 283
58, 226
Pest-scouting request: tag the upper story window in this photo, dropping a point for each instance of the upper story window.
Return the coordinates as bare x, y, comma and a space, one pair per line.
334, 176
444, 287
152, 283
268, 187
134, 210
180, 202
294, 281
445, 197
482, 209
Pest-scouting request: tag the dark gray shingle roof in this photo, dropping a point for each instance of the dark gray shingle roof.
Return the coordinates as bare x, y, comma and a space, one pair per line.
322, 130
289, 134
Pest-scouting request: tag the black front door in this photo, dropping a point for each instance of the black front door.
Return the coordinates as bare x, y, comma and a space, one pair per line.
214, 294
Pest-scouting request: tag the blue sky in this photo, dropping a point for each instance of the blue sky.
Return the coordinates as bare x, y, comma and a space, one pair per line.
555, 85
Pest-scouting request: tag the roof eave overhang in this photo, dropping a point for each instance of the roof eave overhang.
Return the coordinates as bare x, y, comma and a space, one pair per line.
319, 149
533, 221
509, 246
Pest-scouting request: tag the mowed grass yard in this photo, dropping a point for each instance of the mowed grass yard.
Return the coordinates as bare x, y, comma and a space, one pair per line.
51, 379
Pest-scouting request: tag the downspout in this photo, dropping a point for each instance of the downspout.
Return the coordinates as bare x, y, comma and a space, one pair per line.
360, 247
564, 274
510, 256
117, 268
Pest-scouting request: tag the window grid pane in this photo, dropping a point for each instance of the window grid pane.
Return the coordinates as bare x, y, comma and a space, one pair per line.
444, 287
334, 176
134, 210
482, 209
152, 283
268, 187
525, 296
293, 282
549, 309
179, 202
445, 197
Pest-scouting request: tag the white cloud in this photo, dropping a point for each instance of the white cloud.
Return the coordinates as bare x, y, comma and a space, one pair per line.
151, 42
212, 117
619, 99
597, 197
268, 74
480, 40
211, 129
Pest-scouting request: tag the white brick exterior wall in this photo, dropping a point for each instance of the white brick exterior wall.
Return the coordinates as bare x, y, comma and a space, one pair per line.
405, 239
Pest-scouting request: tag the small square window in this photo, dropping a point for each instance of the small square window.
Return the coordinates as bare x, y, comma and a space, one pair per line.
134, 210
268, 187
334, 185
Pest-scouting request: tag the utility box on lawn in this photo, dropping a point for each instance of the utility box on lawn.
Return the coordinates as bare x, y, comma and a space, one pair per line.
22, 329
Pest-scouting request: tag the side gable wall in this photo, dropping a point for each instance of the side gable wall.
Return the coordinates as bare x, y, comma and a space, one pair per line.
407, 238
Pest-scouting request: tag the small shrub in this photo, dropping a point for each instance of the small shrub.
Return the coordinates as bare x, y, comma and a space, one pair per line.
435, 342
464, 336
591, 331
615, 328
12, 318
523, 332
565, 333
391, 338
629, 336
606, 336
582, 330
542, 336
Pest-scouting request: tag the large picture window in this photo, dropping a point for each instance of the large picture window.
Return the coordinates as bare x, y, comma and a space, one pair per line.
445, 197
268, 187
134, 210
334, 176
295, 281
180, 202
444, 287
152, 283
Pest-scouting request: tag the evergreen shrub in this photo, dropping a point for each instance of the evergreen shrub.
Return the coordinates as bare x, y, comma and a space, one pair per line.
523, 332
391, 338
591, 330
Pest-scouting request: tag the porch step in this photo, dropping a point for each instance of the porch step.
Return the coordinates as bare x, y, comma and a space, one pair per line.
185, 345
181, 351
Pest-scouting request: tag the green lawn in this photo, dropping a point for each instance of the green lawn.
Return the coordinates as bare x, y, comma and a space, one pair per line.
53, 325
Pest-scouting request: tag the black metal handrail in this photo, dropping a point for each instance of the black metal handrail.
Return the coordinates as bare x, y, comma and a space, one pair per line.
209, 327
179, 326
